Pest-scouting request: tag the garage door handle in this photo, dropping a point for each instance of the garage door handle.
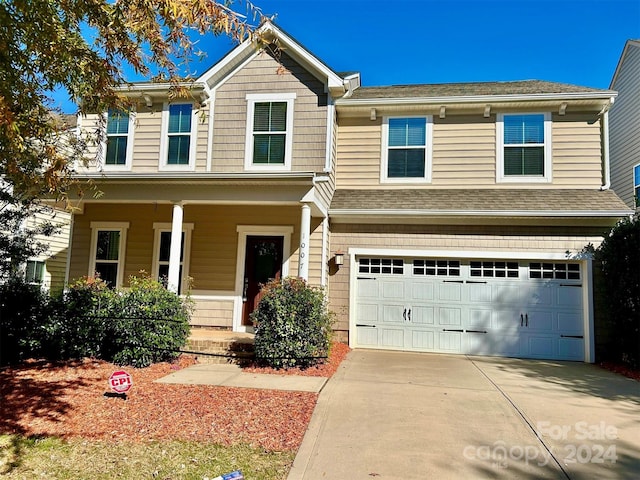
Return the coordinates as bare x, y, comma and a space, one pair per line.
526, 320
521, 320
571, 336
409, 314
404, 314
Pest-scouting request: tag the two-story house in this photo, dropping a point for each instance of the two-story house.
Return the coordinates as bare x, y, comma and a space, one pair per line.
625, 126
442, 218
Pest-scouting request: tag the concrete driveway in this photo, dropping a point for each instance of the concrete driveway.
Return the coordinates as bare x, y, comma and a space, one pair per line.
395, 415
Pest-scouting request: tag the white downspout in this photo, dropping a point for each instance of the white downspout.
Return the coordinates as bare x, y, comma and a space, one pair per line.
606, 167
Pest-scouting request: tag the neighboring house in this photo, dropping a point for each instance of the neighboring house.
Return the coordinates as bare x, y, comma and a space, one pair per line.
462, 210
625, 126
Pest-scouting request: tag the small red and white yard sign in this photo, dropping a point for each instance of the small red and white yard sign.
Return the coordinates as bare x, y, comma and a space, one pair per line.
120, 381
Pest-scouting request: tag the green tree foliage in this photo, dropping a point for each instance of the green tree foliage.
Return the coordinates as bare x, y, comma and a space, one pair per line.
619, 255
293, 324
82, 47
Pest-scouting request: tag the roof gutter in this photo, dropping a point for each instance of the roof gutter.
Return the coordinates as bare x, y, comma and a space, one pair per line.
606, 164
475, 213
346, 101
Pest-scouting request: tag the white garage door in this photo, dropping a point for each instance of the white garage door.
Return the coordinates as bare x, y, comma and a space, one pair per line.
507, 308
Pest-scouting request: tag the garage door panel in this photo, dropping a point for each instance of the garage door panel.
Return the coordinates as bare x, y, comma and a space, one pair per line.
450, 316
507, 320
539, 321
480, 293
479, 318
449, 292
392, 290
540, 346
539, 296
569, 296
506, 295
570, 348
367, 312
487, 344
392, 337
367, 336
450, 342
570, 323
422, 291
423, 315
368, 288
422, 339
393, 313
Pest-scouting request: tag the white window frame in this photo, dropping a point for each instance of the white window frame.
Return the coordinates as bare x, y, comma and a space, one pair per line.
164, 139
252, 99
130, 137
96, 227
428, 153
500, 176
39, 281
636, 199
158, 229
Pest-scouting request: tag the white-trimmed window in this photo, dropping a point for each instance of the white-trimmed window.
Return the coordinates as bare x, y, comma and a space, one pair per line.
34, 272
636, 185
119, 140
178, 146
108, 243
162, 250
406, 149
523, 147
269, 143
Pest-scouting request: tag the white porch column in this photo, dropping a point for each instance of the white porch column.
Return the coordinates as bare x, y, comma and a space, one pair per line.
305, 227
174, 253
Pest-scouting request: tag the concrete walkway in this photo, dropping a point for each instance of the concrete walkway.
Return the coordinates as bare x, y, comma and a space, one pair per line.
393, 415
232, 376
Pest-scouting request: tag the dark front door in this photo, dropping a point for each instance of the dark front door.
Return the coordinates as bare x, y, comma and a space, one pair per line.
263, 262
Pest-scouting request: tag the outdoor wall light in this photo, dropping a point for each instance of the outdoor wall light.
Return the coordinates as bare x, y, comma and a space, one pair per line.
339, 258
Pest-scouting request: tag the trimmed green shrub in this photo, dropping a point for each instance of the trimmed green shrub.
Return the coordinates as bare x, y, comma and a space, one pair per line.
23, 309
149, 323
293, 325
619, 255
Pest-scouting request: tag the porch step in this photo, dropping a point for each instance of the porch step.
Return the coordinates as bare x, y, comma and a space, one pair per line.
221, 347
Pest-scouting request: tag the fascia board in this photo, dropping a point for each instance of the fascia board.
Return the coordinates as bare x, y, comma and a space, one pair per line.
131, 176
604, 95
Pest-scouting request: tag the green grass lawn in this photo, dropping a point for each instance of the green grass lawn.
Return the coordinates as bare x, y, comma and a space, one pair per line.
53, 458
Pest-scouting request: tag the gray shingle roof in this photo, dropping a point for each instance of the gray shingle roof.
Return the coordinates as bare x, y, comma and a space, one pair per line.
481, 200
524, 87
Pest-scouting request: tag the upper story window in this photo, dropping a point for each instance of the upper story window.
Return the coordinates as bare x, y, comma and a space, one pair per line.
406, 155
178, 142
269, 131
119, 144
108, 241
524, 147
636, 185
34, 272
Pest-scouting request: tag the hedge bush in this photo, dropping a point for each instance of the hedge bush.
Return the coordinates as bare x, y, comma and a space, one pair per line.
293, 325
619, 256
137, 326
22, 310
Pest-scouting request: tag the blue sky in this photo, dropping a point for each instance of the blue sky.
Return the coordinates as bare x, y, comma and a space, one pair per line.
438, 41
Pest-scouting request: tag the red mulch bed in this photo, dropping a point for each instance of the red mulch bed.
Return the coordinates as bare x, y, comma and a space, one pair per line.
67, 400
327, 369
621, 370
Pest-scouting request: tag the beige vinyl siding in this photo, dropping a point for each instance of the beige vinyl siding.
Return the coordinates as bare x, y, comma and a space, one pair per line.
263, 74
445, 237
624, 126
147, 138
212, 313
577, 154
57, 245
214, 240
464, 153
